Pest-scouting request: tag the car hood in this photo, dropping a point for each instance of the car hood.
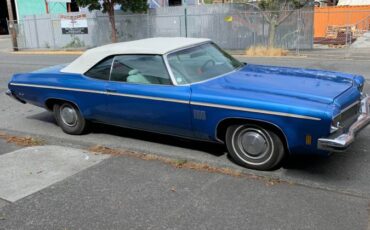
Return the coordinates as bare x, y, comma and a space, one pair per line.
314, 85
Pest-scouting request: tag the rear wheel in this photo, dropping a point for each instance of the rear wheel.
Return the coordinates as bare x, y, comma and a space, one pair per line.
254, 147
69, 118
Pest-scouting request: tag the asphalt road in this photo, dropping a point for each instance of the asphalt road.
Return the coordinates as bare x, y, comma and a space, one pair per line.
326, 193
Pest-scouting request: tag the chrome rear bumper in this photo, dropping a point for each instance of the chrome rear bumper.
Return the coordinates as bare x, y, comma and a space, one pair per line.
343, 141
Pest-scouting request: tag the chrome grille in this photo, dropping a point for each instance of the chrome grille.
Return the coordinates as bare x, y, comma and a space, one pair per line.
348, 115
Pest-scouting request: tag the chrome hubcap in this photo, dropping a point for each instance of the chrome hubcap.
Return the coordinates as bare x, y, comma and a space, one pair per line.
253, 143
68, 115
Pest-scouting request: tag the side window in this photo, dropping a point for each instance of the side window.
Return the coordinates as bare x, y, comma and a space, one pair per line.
101, 70
140, 69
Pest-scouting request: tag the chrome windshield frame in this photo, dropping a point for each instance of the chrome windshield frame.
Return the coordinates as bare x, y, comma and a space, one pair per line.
169, 69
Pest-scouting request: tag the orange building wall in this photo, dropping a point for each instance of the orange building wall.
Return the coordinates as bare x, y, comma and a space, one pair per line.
338, 16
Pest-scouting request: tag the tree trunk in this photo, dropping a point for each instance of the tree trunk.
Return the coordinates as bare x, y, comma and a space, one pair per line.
272, 33
112, 23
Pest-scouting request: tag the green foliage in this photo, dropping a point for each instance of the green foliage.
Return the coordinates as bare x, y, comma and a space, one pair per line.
276, 5
135, 6
91, 4
75, 43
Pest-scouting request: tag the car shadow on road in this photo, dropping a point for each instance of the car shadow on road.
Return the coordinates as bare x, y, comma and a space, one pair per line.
336, 166
97, 128
305, 162
45, 116
211, 148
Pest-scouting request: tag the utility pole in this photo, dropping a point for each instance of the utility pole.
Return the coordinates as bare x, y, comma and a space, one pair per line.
11, 25
47, 7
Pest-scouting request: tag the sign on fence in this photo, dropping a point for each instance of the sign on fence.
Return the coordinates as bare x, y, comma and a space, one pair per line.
74, 24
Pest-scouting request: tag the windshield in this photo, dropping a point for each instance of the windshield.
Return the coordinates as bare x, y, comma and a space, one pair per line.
201, 63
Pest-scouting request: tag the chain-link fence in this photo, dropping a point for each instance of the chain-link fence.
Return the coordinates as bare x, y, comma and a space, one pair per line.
232, 26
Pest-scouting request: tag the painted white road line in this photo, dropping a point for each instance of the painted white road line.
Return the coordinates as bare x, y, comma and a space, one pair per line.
32, 169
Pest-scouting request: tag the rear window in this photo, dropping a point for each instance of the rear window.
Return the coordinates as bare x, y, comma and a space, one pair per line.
101, 70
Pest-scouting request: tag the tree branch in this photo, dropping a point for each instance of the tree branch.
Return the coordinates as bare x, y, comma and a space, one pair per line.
281, 20
267, 18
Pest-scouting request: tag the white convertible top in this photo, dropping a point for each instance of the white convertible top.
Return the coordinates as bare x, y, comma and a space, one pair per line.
160, 45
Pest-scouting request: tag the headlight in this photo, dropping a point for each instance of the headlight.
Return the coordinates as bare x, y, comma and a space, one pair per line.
335, 125
361, 87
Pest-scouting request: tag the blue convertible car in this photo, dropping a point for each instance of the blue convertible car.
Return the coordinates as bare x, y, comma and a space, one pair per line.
191, 88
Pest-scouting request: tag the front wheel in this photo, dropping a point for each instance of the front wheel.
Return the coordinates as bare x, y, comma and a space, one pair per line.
69, 118
254, 147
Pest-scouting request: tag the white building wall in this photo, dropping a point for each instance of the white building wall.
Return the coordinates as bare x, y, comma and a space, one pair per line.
353, 2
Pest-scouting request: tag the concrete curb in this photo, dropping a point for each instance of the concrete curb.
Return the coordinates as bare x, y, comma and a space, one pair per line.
225, 163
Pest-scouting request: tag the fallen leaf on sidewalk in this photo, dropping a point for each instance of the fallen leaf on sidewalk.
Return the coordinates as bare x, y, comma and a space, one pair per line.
273, 181
21, 141
185, 164
2, 217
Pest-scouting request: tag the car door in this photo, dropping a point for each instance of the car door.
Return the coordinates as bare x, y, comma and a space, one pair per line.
96, 80
141, 95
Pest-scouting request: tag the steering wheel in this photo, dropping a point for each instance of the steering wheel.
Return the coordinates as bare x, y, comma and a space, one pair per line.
207, 65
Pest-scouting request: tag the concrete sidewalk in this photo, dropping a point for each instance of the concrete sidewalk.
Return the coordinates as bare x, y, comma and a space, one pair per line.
338, 53
32, 169
6, 46
125, 192
5, 43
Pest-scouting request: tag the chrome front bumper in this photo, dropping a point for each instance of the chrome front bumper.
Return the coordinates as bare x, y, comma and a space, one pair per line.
343, 141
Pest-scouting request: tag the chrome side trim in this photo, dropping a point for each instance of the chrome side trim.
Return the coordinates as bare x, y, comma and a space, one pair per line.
171, 100
60, 88
254, 110
148, 97
103, 92
343, 141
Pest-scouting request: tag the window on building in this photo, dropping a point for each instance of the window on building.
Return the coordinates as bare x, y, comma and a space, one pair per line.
174, 2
